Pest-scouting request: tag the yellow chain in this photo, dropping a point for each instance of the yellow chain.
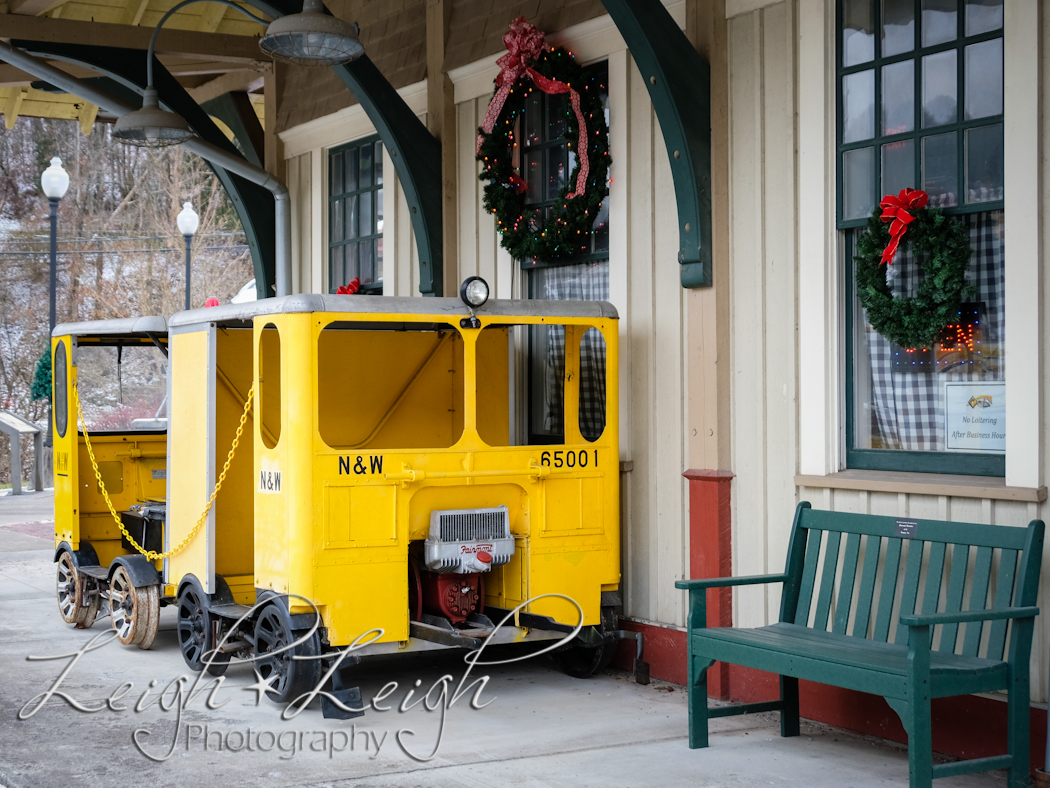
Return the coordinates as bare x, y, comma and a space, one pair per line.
152, 555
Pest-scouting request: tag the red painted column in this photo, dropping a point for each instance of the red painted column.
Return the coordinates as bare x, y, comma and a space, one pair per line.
710, 555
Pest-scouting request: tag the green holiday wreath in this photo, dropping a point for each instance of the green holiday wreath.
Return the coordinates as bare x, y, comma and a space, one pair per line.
943, 245
528, 233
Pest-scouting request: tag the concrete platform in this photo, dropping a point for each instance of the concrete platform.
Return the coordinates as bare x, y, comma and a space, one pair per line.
540, 727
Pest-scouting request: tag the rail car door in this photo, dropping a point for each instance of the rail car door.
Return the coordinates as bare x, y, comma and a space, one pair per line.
64, 441
191, 453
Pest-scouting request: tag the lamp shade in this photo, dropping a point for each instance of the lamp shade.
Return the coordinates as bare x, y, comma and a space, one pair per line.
151, 126
55, 180
312, 38
188, 220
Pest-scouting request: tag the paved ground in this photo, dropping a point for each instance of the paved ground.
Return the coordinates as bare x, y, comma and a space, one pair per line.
541, 728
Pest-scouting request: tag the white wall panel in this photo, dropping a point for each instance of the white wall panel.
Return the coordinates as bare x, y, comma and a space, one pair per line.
763, 312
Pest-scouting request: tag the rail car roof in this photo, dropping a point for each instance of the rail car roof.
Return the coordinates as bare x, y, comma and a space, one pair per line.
140, 327
453, 307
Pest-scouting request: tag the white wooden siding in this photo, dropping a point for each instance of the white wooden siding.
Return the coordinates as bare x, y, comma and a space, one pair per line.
480, 253
763, 311
300, 185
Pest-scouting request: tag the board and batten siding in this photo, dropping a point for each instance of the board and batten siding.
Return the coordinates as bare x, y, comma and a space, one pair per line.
774, 67
644, 287
764, 300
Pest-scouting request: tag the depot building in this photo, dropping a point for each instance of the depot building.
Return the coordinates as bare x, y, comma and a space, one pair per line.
748, 142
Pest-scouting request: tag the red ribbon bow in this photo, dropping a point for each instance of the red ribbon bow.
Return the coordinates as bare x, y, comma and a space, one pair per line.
524, 45
518, 184
349, 289
895, 209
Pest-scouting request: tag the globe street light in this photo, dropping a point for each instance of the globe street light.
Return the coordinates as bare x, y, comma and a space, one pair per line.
188, 222
55, 182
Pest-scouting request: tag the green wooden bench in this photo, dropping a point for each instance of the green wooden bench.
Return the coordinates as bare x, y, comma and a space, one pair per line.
843, 591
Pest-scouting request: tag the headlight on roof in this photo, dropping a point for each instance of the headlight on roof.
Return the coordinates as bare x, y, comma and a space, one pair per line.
474, 291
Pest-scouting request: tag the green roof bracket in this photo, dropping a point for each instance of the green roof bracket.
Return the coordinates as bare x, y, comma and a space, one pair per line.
236, 111
679, 83
415, 152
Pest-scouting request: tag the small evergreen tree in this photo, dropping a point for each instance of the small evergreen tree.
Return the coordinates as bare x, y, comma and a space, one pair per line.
41, 388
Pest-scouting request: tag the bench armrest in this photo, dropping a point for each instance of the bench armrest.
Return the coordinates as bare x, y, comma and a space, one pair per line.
722, 582
991, 614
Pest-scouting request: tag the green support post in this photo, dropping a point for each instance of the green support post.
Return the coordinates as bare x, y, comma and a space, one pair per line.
679, 83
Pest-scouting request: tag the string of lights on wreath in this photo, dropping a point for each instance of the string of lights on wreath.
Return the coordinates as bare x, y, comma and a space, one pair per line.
932, 315
564, 229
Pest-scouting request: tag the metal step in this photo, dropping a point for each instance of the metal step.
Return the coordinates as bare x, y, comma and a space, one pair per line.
94, 572
230, 610
440, 635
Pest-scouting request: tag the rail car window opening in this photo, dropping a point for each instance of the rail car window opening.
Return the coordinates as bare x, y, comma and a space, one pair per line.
546, 367
496, 387
122, 386
235, 506
61, 403
270, 385
390, 386
592, 384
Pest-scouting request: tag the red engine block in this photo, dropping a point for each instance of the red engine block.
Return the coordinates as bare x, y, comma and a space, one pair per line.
453, 596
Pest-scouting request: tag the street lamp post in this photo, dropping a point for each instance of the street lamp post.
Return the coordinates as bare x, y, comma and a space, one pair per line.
55, 182
188, 222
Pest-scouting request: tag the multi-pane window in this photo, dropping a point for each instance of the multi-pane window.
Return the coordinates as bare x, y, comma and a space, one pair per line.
355, 222
920, 105
546, 162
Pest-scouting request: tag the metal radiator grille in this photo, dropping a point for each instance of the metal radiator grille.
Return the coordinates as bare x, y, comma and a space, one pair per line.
474, 526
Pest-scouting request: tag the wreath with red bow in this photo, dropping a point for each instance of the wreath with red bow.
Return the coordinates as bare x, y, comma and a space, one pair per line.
940, 243
565, 229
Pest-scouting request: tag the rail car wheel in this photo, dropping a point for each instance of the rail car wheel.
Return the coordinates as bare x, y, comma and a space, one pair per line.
415, 591
582, 661
196, 631
135, 612
273, 635
70, 593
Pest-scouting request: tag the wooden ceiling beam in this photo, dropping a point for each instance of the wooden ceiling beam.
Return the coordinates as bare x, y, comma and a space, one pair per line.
133, 11
211, 17
30, 7
13, 105
13, 77
241, 80
186, 43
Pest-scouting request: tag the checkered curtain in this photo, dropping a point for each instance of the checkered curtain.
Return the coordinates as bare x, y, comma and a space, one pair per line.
585, 282
907, 408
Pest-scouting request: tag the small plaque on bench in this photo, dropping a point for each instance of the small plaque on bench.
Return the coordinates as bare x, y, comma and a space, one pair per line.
906, 528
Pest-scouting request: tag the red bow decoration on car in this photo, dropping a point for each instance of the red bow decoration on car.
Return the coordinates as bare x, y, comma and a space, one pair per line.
349, 289
895, 209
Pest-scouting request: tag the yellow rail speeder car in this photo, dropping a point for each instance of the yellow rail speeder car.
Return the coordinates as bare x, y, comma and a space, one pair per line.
415, 465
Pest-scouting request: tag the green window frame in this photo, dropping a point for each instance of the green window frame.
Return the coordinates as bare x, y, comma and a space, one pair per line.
355, 215
876, 61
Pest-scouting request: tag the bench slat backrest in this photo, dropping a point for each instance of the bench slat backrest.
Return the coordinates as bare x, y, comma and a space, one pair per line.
845, 576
